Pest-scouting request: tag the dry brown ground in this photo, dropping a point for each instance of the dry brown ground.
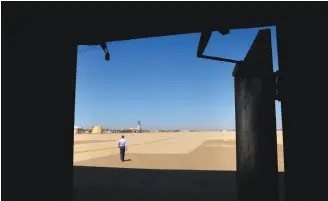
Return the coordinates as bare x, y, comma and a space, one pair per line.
151, 177
211, 155
91, 141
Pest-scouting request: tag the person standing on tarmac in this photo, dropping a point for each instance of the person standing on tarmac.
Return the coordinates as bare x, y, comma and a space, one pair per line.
122, 145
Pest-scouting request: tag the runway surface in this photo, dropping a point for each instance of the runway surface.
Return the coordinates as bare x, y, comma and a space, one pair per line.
159, 166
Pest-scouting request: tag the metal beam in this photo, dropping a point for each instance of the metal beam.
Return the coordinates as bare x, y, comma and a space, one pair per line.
203, 41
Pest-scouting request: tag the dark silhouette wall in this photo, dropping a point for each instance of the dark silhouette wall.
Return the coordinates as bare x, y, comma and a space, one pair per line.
39, 56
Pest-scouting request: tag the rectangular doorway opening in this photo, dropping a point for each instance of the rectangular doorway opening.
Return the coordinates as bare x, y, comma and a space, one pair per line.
176, 111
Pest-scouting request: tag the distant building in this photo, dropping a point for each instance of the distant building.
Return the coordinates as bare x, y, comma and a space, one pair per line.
96, 130
136, 130
78, 130
139, 126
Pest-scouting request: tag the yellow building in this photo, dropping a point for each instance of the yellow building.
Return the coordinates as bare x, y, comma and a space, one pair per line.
96, 129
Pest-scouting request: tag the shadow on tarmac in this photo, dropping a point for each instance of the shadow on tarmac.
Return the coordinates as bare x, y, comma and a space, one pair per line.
104, 184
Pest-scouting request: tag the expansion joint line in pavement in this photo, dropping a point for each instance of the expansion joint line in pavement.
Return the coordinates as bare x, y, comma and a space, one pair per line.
111, 148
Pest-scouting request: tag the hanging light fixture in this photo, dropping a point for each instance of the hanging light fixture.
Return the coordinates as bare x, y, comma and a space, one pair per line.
104, 47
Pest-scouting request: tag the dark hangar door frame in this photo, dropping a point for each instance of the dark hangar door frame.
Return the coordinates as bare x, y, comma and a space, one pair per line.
256, 141
51, 63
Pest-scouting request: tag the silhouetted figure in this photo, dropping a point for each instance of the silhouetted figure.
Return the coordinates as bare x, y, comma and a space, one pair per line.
122, 145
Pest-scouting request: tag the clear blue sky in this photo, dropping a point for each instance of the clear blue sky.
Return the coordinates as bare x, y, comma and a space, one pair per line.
162, 83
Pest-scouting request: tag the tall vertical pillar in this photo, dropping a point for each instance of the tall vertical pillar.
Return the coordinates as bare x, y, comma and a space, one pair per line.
256, 142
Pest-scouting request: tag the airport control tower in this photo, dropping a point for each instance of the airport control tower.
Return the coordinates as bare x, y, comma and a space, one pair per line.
139, 126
